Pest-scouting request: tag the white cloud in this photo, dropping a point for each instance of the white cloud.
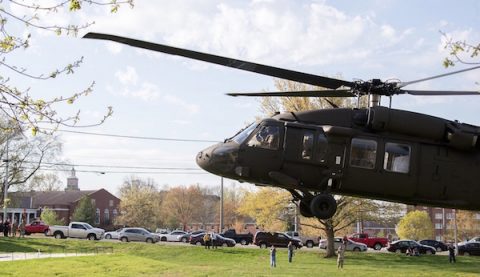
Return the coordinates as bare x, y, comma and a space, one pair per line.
127, 77
174, 100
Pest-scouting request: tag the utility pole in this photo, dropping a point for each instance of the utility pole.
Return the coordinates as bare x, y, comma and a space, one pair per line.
221, 205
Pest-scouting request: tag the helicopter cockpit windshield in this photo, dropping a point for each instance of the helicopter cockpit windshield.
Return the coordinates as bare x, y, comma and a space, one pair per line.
243, 134
267, 137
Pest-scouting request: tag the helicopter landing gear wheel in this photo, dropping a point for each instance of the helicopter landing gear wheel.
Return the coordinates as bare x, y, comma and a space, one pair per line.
304, 208
323, 206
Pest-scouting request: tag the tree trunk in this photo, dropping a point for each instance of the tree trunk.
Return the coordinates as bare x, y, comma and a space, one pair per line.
330, 235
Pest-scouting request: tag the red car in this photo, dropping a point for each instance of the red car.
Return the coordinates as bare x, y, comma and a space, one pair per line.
36, 227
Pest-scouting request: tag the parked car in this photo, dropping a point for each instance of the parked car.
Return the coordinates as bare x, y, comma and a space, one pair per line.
186, 238
351, 245
469, 248
308, 241
137, 234
438, 245
173, 236
243, 239
36, 227
218, 240
267, 239
372, 242
475, 239
112, 234
76, 230
401, 246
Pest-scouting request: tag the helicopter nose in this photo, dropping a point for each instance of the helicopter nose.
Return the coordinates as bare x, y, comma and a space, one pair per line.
204, 157
218, 159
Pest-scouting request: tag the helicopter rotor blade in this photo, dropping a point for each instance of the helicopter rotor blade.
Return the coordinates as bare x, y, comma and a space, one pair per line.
403, 84
308, 93
440, 92
291, 75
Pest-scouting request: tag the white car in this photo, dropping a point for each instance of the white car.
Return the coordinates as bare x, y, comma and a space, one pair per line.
112, 234
351, 245
173, 236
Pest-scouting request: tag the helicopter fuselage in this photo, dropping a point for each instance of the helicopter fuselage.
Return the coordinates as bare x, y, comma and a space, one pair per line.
376, 153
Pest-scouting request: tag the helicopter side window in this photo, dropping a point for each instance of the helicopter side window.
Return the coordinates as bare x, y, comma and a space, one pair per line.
363, 153
307, 147
267, 137
397, 157
321, 148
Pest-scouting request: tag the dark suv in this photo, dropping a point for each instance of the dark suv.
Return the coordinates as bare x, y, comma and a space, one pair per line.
438, 245
267, 239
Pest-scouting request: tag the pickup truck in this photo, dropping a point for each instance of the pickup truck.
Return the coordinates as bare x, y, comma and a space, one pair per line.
243, 239
76, 230
372, 242
36, 227
308, 241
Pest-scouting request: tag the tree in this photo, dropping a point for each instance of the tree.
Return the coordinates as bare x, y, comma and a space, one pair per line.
141, 204
346, 210
17, 21
415, 225
184, 204
268, 206
468, 224
460, 51
51, 218
85, 211
44, 182
25, 157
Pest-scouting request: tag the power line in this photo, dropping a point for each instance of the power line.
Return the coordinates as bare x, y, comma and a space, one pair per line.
121, 172
115, 166
131, 137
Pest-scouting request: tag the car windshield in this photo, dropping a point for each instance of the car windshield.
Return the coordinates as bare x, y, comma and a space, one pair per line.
88, 226
244, 133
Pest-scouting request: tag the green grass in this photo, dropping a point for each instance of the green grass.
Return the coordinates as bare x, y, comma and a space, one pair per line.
139, 259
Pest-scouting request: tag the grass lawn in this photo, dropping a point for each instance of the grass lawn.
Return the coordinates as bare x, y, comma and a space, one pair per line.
141, 259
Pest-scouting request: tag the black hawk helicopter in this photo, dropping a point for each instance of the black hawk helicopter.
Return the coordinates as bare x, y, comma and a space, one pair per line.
377, 152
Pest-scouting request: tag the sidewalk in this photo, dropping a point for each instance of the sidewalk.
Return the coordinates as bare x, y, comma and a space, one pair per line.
15, 256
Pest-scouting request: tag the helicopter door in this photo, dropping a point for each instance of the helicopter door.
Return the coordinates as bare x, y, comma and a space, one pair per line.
262, 152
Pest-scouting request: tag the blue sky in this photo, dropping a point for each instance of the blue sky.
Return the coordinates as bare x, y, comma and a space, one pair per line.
156, 95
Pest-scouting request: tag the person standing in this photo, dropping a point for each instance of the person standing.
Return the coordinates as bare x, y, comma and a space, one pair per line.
14, 228
291, 248
22, 229
206, 240
273, 256
451, 253
6, 228
341, 254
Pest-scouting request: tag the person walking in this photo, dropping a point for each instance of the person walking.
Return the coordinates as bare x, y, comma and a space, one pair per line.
22, 229
451, 253
291, 248
341, 254
273, 256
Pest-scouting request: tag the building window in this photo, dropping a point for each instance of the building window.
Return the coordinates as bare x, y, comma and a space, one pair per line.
477, 216
114, 214
438, 226
449, 216
106, 217
397, 157
110, 203
439, 238
97, 216
93, 202
363, 153
438, 216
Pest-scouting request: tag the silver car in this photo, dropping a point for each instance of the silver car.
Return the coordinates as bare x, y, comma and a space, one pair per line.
351, 245
112, 234
137, 234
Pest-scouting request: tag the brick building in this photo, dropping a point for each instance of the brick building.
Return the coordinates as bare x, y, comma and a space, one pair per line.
32, 203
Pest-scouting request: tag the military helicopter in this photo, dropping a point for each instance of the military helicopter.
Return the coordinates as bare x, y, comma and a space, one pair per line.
375, 152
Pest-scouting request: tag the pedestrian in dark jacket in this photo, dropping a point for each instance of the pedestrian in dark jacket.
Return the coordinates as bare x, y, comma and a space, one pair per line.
451, 253
6, 228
